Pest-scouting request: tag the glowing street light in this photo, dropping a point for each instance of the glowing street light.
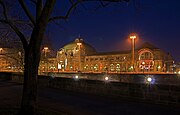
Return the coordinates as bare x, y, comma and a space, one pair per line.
133, 37
106, 78
149, 79
45, 50
1, 50
79, 44
76, 76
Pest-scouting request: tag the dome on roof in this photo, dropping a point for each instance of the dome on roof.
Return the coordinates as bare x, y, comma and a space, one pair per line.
85, 46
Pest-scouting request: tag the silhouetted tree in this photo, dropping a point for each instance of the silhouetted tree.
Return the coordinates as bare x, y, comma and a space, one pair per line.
37, 22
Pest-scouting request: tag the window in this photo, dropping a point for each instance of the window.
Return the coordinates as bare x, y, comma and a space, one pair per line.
117, 67
146, 56
112, 67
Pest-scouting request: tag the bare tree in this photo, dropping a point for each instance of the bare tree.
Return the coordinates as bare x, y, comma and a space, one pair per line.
37, 22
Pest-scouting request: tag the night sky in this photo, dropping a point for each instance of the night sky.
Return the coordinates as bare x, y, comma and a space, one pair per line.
107, 29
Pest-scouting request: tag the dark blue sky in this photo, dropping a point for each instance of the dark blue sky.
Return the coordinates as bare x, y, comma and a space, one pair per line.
107, 29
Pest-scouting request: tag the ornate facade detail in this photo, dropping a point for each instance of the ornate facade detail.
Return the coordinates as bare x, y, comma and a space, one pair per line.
148, 58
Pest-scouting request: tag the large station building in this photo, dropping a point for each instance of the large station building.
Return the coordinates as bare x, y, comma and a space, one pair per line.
80, 56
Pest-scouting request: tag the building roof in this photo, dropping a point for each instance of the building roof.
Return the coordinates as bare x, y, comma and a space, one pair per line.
147, 45
85, 45
111, 53
144, 45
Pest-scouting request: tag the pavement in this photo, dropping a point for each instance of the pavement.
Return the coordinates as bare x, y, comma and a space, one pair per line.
74, 103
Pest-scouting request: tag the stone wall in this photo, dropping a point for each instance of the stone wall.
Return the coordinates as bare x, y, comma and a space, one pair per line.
5, 76
160, 94
151, 93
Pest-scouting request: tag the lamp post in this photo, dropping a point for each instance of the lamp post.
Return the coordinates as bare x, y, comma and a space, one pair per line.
0, 54
133, 37
45, 51
1, 49
79, 57
21, 60
45, 55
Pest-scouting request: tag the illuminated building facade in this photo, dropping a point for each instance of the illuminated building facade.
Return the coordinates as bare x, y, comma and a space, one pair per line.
176, 68
11, 59
80, 56
72, 56
48, 62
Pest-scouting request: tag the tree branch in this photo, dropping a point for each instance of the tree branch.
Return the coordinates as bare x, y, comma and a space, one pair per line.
38, 30
104, 5
4, 35
67, 14
23, 22
4, 9
39, 7
23, 5
16, 30
79, 1
33, 1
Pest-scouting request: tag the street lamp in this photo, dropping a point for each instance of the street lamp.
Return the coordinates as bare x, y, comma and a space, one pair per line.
79, 47
45, 50
1, 50
149, 79
0, 53
106, 78
132, 37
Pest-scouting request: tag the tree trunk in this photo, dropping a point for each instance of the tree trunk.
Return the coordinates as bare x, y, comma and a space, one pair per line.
32, 59
29, 97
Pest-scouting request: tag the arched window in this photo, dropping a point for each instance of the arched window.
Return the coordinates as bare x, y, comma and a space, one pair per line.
117, 67
146, 60
146, 55
96, 67
112, 67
